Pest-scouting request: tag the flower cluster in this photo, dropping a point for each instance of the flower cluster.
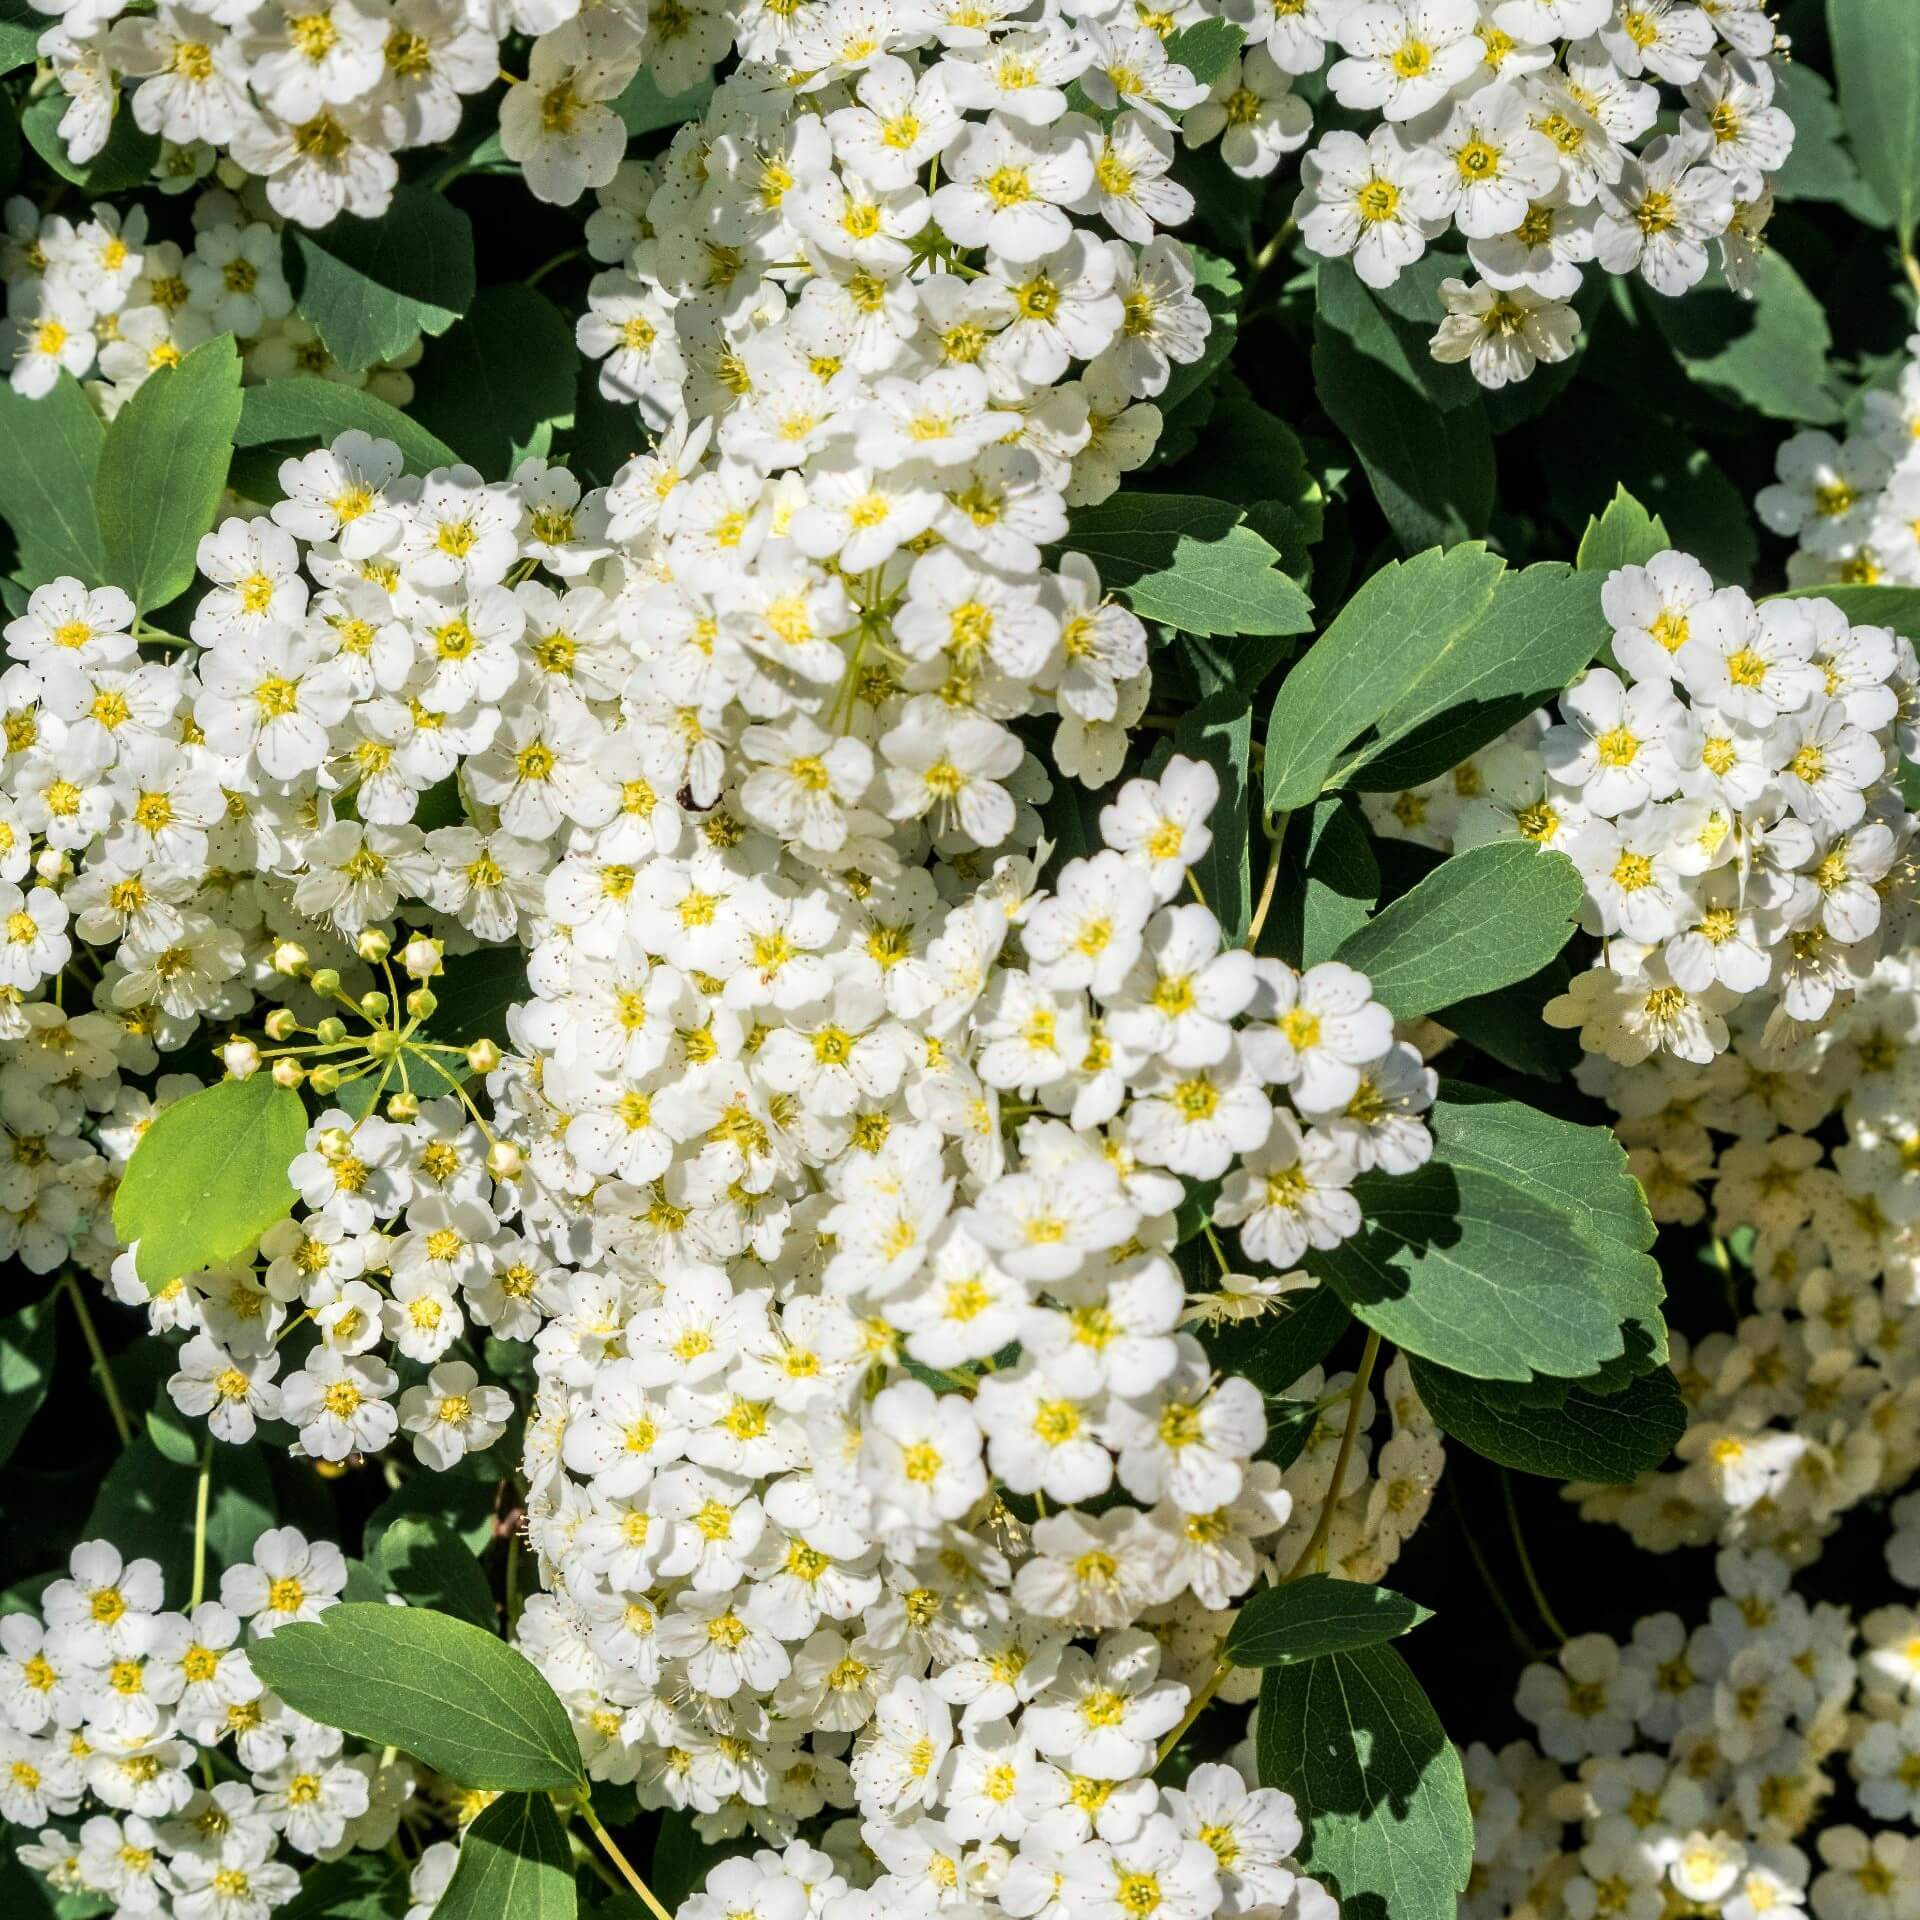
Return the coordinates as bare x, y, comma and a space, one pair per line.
315, 98
1521, 125
112, 1701
1728, 790
104, 301
1852, 505
1687, 1769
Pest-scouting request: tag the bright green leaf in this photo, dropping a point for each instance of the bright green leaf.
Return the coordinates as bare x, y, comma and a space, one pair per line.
1373, 653
1190, 563
1317, 1615
1895, 607
1821, 164
209, 1177
514, 1864
21, 26
1876, 61
49, 457
373, 287
1376, 1782
1206, 48
26, 1369
438, 1688
1625, 535
1612, 1438
1478, 922
162, 470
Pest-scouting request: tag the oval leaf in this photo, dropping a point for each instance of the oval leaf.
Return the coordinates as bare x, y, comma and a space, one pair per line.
448, 1693
1317, 1615
209, 1177
514, 1864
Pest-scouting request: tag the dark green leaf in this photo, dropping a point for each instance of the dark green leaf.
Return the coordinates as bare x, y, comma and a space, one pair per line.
424, 1559
1478, 922
514, 1864
682, 1860
1316, 1615
26, 1369
303, 411
442, 1690
145, 1506
209, 1177
373, 287
21, 26
1206, 49
1221, 733
1821, 164
1275, 1350
162, 470
1377, 1783
489, 384
125, 161
643, 108
363, 1886
1342, 879
1612, 1438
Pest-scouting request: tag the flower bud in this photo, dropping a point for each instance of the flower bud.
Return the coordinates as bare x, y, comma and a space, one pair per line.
421, 1003
326, 981
289, 957
242, 1058
483, 1056
51, 865
331, 1031
374, 1005
504, 1160
373, 946
420, 957
403, 1107
333, 1142
281, 1025
288, 1073
325, 1080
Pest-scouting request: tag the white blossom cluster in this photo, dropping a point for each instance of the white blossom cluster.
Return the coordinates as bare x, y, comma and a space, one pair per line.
1689, 1768
1521, 125
182, 1785
102, 300
1852, 505
316, 98
1728, 788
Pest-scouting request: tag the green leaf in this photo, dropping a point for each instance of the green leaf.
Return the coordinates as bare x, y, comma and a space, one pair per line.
1377, 1784
514, 1863
373, 287
440, 1689
643, 108
1543, 628
49, 457
682, 1860
1281, 1345
1821, 164
26, 1369
491, 382
1314, 1616
1517, 1250
162, 471
1206, 49
1342, 879
1190, 563
1766, 350
1625, 535
459, 1501
1220, 732
209, 1177
1373, 653
125, 161
362, 1886
1510, 1026
424, 1559
1895, 607
21, 26
1423, 439
1478, 922
1876, 61
292, 414
1580, 1434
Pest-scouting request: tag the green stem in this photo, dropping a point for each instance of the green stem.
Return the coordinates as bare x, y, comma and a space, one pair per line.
1195, 1707
1348, 1435
1527, 1573
1912, 267
1276, 833
620, 1860
200, 1496
115, 1405
1515, 1632
559, 260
